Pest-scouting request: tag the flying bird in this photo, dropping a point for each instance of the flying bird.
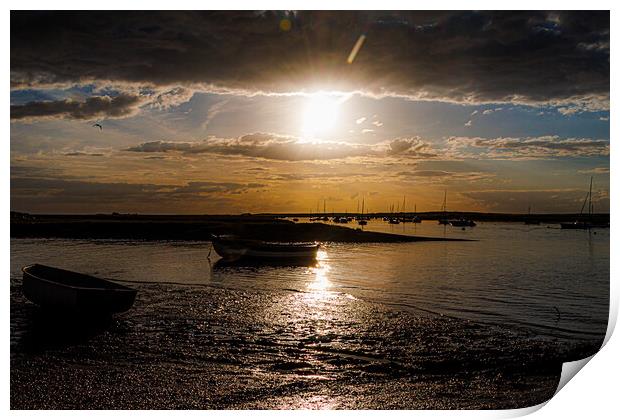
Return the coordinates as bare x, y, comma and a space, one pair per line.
98, 125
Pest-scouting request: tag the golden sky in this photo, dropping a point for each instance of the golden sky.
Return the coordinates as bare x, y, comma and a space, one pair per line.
231, 112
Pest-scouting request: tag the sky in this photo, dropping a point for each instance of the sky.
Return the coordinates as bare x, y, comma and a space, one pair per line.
234, 112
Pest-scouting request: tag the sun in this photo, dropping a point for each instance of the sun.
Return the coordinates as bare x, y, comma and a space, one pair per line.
321, 114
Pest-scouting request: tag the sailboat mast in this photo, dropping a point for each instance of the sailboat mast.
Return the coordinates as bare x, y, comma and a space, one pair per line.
590, 197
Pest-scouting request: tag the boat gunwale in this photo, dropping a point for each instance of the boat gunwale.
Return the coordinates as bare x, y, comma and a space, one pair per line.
124, 289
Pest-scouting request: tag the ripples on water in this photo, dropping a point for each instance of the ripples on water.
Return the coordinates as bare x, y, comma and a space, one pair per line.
550, 281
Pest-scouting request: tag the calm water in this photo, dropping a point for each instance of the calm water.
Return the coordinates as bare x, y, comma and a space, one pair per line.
549, 281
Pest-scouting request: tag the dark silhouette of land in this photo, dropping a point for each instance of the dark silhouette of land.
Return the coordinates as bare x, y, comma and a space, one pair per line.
269, 227
192, 228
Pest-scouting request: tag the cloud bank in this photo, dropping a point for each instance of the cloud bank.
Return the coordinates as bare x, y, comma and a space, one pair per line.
530, 147
286, 148
94, 107
530, 57
275, 147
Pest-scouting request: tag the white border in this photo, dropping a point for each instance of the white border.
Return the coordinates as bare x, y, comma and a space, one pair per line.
592, 394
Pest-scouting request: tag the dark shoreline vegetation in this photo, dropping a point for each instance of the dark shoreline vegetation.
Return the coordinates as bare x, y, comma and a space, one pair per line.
265, 227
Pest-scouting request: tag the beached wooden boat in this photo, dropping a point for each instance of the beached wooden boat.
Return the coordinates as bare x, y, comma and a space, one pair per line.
59, 289
233, 249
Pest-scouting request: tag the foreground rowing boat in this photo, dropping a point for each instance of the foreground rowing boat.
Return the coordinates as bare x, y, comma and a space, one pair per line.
58, 289
233, 249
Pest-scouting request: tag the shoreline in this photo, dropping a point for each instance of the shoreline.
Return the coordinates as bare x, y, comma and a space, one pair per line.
267, 350
261, 228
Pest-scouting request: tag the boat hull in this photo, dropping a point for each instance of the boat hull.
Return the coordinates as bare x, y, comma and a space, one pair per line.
234, 250
463, 223
63, 290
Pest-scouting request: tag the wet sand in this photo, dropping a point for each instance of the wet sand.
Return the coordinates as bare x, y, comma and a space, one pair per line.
199, 347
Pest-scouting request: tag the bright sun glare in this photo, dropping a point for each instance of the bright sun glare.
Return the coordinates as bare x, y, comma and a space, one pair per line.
321, 114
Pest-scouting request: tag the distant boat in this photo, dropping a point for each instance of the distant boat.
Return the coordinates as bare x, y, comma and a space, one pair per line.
585, 224
360, 219
444, 220
233, 249
575, 225
416, 218
462, 223
529, 220
63, 290
394, 221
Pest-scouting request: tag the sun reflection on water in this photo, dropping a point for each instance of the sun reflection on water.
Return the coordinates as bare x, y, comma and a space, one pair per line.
320, 283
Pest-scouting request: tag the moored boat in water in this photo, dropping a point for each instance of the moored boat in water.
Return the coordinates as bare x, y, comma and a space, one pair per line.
233, 249
462, 223
444, 220
575, 225
530, 220
580, 223
64, 290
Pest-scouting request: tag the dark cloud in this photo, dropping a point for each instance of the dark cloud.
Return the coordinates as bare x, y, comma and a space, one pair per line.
50, 193
83, 154
411, 146
531, 147
464, 56
599, 170
275, 147
91, 108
